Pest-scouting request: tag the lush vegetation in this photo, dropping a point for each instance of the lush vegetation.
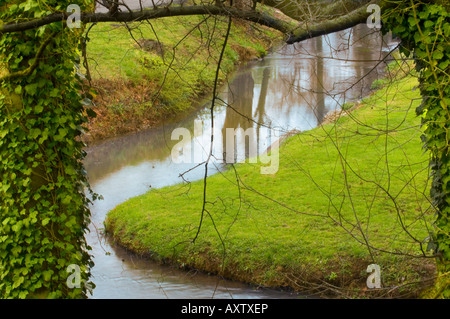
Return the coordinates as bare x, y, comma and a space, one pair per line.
425, 32
368, 168
342, 199
44, 210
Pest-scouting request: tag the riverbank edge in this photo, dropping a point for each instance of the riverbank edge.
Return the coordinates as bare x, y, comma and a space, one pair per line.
136, 125
94, 134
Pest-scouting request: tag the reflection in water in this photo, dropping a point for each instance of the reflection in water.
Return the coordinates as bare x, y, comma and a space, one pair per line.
239, 114
319, 106
292, 88
261, 106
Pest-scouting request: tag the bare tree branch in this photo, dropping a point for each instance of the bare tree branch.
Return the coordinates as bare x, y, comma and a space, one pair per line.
305, 29
147, 14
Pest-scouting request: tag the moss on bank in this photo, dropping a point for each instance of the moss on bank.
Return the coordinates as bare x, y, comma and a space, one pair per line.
149, 72
347, 194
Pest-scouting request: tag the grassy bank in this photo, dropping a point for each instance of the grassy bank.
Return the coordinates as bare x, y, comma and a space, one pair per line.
150, 72
350, 193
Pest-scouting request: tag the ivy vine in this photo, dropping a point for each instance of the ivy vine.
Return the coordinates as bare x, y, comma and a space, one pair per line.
44, 211
424, 29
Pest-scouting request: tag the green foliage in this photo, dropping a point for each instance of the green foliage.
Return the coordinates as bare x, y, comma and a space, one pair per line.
424, 29
43, 209
185, 68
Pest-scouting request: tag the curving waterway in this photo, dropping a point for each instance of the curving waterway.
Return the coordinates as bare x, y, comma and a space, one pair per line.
293, 88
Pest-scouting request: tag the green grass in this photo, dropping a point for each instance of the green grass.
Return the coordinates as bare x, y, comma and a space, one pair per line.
361, 181
139, 88
187, 67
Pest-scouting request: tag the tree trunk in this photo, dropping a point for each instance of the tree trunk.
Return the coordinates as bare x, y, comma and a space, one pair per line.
43, 209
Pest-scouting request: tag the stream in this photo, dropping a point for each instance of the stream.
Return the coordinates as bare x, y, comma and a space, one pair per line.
292, 88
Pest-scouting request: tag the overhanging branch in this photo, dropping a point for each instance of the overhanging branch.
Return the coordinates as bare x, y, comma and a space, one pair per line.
154, 13
303, 31
344, 22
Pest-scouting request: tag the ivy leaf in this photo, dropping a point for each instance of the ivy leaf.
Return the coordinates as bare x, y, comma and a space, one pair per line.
31, 88
23, 294
18, 282
34, 133
38, 108
66, 200
446, 29
412, 21
47, 274
45, 221
18, 90
429, 24
437, 55
5, 221
444, 64
62, 132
